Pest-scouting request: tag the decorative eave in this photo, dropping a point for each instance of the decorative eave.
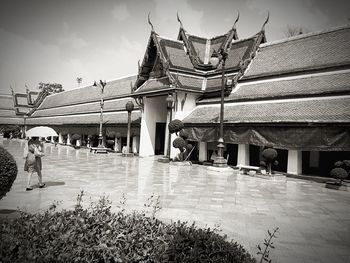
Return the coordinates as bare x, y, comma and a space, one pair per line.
159, 59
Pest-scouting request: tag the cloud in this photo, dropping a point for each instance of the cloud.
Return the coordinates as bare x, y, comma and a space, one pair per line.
30, 61
165, 17
73, 41
120, 12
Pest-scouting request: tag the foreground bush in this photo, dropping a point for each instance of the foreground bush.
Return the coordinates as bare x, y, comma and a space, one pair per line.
98, 235
8, 171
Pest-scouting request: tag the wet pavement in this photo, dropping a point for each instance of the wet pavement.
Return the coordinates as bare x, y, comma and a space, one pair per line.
314, 221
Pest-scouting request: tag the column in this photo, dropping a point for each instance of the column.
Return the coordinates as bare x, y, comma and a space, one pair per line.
294, 165
69, 138
78, 142
243, 154
116, 144
60, 138
135, 144
203, 151
52, 139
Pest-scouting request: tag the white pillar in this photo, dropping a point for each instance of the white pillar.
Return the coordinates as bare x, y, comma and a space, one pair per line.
78, 142
203, 151
88, 144
294, 162
146, 133
60, 138
135, 144
52, 139
69, 137
243, 154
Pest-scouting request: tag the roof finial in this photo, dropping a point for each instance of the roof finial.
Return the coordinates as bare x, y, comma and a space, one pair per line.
178, 19
267, 20
149, 22
234, 24
12, 91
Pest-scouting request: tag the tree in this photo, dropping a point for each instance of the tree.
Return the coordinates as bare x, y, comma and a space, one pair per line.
294, 31
50, 88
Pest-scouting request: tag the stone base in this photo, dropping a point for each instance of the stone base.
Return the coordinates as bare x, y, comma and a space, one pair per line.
336, 186
273, 177
164, 159
184, 163
215, 169
128, 154
98, 150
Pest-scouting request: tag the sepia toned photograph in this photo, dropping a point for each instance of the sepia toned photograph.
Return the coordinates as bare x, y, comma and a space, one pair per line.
175, 131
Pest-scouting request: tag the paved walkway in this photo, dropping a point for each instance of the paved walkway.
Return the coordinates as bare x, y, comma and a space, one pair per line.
314, 221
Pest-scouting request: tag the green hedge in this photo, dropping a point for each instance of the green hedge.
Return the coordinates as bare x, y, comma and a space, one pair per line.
96, 234
8, 171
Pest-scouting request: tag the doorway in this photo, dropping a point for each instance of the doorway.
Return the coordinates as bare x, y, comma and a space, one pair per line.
160, 138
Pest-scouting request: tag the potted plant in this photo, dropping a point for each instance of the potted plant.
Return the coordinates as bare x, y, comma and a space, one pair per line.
340, 172
269, 156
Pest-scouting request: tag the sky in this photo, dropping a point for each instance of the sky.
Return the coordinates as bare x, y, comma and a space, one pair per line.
57, 41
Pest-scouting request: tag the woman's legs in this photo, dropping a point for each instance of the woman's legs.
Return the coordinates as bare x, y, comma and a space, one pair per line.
40, 179
28, 181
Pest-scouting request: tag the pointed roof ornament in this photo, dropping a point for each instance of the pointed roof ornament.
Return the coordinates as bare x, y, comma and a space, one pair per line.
149, 22
267, 20
178, 19
234, 24
12, 91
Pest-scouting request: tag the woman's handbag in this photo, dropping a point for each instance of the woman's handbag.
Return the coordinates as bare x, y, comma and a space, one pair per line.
38, 153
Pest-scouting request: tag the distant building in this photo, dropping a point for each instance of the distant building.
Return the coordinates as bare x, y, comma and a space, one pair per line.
292, 94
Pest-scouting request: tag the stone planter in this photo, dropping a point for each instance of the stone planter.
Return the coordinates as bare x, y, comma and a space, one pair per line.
337, 186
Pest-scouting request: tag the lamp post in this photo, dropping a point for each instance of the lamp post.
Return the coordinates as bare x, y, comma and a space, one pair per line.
170, 105
215, 59
100, 147
129, 106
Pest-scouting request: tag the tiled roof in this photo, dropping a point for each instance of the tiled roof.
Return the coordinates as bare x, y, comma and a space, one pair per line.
110, 118
109, 105
304, 52
114, 88
154, 84
240, 50
328, 110
213, 84
16, 120
215, 43
199, 45
188, 82
174, 51
6, 102
305, 86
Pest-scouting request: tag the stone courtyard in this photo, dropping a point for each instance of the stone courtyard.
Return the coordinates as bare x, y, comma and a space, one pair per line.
314, 221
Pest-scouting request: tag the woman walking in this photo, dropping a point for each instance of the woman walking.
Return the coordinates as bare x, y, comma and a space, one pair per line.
33, 152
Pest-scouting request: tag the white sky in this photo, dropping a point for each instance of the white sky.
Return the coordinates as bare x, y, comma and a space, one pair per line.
58, 41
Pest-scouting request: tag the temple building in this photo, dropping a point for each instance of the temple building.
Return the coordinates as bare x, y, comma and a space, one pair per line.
292, 94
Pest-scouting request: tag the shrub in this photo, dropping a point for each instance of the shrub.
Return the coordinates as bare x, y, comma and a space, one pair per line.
8, 171
339, 173
179, 143
97, 234
269, 156
76, 136
183, 134
175, 126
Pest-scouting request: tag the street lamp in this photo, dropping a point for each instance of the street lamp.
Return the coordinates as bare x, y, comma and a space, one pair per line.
170, 103
215, 59
100, 147
129, 106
